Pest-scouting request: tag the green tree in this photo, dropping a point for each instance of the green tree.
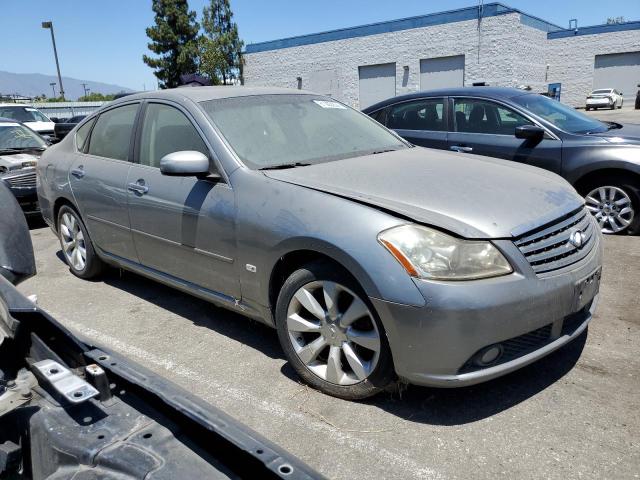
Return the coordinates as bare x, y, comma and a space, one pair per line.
173, 40
96, 97
220, 46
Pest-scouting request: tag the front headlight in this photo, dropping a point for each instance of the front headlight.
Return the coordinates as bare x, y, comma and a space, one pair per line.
428, 253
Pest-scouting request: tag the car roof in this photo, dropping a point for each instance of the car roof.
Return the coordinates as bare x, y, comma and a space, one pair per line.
202, 94
14, 105
484, 92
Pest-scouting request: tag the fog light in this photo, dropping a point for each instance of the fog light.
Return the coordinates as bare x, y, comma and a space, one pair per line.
489, 355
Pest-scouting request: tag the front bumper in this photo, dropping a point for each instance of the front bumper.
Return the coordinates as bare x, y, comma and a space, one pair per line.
436, 345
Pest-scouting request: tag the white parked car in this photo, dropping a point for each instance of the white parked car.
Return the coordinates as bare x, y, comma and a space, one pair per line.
29, 116
604, 98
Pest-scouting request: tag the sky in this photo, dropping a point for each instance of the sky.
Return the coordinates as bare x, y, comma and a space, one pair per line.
104, 40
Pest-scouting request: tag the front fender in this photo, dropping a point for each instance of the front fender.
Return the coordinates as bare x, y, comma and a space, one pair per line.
580, 162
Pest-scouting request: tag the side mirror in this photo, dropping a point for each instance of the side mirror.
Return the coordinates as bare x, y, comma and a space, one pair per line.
530, 132
187, 163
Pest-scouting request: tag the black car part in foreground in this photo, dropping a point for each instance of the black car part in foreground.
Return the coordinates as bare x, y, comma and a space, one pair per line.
68, 409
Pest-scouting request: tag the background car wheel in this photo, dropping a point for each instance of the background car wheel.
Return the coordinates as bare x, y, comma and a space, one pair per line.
616, 205
331, 334
76, 245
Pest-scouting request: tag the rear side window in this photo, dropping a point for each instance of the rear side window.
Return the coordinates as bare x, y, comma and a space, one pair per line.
81, 135
166, 130
480, 116
111, 135
424, 114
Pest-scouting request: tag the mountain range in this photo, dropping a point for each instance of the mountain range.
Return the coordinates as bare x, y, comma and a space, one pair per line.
34, 84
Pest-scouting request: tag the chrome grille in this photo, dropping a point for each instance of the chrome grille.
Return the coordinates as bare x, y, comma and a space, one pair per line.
21, 179
548, 248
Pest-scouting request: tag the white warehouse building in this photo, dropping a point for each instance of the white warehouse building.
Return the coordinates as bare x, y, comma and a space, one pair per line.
494, 43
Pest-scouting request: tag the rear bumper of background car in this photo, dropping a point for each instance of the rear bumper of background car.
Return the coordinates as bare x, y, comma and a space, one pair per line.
523, 315
599, 102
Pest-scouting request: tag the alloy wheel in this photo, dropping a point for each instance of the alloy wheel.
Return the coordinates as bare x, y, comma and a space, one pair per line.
612, 208
73, 244
333, 332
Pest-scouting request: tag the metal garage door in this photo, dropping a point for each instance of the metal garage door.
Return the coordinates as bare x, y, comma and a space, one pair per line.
443, 72
324, 82
618, 70
377, 82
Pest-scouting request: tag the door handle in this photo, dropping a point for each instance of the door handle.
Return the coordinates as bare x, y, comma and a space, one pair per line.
138, 187
458, 148
78, 172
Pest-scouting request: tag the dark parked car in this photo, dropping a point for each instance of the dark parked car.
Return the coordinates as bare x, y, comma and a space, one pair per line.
372, 258
61, 129
20, 150
600, 159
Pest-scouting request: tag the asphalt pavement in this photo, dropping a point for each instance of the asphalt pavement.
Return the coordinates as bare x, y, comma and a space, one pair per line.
574, 414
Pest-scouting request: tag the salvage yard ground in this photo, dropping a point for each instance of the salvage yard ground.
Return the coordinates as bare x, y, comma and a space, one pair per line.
575, 414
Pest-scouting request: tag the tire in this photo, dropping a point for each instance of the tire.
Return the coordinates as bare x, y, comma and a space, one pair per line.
330, 369
601, 206
76, 245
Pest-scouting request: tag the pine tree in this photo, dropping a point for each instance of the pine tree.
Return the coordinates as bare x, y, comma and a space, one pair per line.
220, 46
174, 41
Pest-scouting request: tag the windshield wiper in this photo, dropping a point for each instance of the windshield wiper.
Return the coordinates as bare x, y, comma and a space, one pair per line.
283, 166
376, 152
21, 149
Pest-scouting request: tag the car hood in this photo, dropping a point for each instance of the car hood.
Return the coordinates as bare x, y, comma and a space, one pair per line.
629, 133
469, 195
16, 160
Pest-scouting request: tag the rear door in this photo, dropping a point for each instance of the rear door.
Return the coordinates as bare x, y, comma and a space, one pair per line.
422, 122
182, 226
98, 177
485, 127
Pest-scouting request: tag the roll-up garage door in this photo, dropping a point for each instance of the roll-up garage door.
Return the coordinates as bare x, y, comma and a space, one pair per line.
620, 71
377, 83
442, 72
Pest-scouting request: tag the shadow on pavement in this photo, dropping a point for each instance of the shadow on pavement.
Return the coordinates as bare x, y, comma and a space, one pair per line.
251, 333
35, 222
458, 406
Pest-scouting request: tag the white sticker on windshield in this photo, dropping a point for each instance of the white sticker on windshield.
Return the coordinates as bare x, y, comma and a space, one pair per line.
31, 109
328, 104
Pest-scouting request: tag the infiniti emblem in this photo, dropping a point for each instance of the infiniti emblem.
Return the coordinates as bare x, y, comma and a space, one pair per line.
576, 238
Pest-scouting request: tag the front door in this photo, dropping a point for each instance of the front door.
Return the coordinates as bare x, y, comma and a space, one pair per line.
98, 177
182, 226
483, 127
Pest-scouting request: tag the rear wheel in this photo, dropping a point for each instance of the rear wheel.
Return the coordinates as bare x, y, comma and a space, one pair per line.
615, 204
331, 335
76, 245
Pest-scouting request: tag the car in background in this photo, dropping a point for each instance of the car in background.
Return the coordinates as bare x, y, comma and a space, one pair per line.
374, 260
20, 150
604, 98
600, 159
61, 128
29, 116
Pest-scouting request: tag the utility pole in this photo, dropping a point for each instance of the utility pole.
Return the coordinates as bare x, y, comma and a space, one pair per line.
49, 25
84, 87
53, 87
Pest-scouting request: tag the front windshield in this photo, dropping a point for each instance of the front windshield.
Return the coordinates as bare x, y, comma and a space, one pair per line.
560, 115
23, 114
15, 136
271, 130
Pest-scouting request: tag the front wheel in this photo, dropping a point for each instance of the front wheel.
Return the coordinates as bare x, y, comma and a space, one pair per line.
331, 334
615, 205
76, 245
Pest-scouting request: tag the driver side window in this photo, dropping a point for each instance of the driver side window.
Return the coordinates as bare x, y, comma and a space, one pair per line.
480, 116
166, 130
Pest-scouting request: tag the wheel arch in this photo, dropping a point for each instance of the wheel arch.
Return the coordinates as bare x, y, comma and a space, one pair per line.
622, 174
58, 204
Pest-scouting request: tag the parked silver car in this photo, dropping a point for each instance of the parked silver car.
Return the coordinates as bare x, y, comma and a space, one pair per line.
375, 260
